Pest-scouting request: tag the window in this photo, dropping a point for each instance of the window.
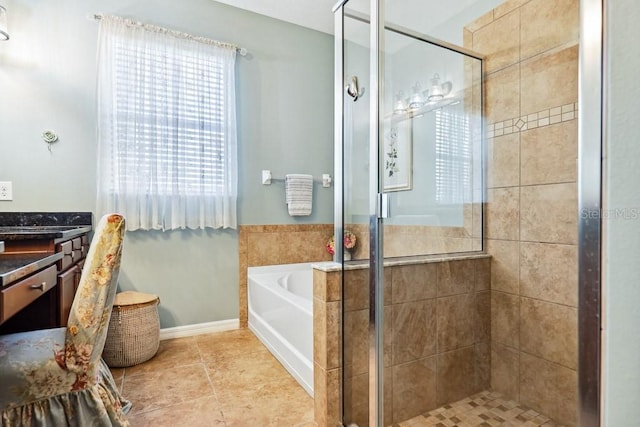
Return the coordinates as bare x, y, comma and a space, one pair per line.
167, 134
453, 157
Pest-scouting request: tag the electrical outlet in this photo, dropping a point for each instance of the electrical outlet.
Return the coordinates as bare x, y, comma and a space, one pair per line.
6, 190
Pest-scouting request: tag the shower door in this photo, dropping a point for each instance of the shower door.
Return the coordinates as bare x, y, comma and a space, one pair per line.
409, 144
409, 134
357, 158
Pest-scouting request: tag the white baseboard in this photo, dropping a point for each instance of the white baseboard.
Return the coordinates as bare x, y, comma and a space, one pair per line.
199, 329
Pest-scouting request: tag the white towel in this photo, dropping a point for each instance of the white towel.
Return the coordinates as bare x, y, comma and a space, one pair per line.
298, 189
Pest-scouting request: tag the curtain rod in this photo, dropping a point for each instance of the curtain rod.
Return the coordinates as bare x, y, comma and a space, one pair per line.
241, 50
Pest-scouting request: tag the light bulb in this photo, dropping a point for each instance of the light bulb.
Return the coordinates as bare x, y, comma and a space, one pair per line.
400, 105
435, 93
417, 100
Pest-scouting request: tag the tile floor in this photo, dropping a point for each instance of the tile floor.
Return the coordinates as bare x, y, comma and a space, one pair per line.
485, 409
231, 379
222, 379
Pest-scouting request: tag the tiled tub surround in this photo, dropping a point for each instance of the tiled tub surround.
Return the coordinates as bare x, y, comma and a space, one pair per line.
415, 240
278, 244
436, 339
531, 88
261, 245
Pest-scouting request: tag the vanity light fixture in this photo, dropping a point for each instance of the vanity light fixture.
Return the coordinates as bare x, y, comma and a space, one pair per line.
419, 98
4, 34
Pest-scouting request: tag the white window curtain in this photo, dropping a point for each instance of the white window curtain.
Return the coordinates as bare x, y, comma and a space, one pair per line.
453, 157
167, 155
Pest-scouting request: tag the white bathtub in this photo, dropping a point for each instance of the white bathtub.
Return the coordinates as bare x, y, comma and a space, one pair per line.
280, 301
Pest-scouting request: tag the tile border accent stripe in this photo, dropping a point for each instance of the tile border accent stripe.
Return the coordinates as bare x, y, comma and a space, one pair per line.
542, 118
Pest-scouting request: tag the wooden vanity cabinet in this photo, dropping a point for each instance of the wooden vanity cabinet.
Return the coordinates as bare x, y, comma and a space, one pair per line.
66, 277
69, 270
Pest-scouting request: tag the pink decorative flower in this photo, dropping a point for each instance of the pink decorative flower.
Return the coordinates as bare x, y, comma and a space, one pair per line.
349, 241
331, 246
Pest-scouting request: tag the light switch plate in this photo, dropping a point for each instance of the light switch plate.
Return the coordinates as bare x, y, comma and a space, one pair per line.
6, 190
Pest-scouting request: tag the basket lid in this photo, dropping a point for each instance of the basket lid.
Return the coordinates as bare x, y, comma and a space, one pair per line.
133, 298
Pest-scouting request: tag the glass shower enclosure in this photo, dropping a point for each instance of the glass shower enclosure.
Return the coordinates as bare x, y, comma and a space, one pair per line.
409, 145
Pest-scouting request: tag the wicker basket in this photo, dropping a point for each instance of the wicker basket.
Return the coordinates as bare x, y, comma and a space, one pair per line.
134, 330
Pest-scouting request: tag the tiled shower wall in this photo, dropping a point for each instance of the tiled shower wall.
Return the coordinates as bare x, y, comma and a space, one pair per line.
412, 240
436, 338
531, 94
278, 244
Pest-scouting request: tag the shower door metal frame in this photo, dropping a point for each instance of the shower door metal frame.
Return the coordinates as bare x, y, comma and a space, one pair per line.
591, 140
376, 186
375, 243
338, 156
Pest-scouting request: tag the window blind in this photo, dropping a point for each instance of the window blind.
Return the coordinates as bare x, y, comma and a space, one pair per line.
453, 157
183, 139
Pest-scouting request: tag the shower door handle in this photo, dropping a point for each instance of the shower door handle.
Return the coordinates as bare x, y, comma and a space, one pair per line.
383, 205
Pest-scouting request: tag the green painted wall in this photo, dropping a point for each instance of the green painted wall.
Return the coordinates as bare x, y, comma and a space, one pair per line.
621, 357
285, 124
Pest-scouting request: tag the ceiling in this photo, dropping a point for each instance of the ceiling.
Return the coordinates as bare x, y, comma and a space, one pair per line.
425, 16
314, 14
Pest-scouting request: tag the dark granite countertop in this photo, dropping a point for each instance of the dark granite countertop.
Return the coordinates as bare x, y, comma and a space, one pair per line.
42, 232
23, 219
58, 226
43, 225
16, 266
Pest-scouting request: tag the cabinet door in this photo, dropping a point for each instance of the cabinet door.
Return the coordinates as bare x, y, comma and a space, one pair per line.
78, 269
66, 292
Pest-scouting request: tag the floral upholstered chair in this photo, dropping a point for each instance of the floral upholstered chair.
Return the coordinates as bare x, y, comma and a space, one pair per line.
56, 377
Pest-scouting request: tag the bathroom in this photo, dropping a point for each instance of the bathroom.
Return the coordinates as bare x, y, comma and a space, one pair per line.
285, 121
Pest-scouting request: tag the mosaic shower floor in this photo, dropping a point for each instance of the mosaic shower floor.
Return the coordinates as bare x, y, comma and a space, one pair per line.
485, 409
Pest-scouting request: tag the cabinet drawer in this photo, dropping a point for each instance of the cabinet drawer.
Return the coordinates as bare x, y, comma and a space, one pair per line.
85, 245
77, 243
78, 250
67, 249
17, 296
